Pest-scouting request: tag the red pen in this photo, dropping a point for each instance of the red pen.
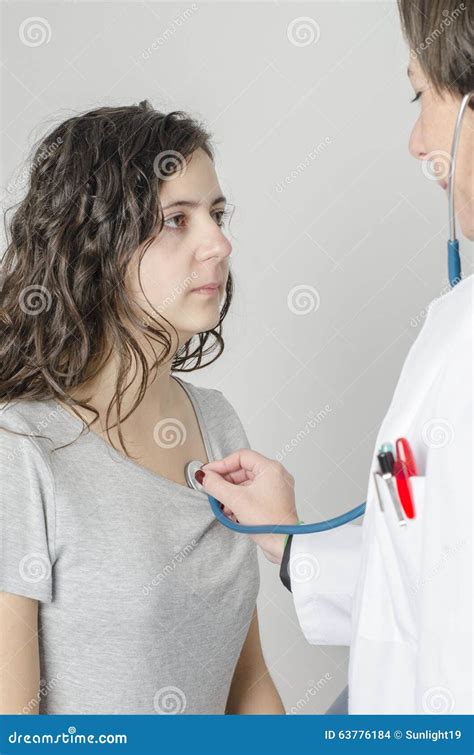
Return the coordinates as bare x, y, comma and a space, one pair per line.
404, 468
405, 454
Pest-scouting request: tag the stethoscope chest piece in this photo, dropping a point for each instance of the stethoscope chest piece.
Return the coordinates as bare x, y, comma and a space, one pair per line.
189, 470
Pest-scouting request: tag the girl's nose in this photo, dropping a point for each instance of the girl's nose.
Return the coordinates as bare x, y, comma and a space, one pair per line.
216, 246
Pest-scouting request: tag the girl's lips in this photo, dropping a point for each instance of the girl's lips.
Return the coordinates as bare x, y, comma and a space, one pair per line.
207, 291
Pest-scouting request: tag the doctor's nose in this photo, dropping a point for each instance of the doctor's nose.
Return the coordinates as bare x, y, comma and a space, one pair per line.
416, 144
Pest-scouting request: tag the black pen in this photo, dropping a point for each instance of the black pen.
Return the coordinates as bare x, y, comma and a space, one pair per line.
387, 462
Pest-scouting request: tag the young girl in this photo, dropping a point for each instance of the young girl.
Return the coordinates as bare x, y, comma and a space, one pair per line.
120, 591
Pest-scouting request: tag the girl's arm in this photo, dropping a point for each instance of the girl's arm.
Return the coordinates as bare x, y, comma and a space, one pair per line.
252, 690
19, 657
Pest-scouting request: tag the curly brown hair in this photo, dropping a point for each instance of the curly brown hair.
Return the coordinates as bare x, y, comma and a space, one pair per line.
92, 199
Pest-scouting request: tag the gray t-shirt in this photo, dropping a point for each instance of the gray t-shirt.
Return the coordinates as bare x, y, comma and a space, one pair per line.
145, 599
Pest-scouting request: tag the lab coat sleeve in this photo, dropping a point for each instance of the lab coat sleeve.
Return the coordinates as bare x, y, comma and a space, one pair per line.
323, 569
445, 610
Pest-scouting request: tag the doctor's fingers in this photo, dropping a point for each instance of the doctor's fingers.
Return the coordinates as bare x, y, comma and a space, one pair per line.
246, 459
230, 495
272, 473
241, 477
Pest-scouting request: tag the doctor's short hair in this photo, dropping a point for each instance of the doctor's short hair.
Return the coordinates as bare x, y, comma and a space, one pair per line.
440, 34
92, 198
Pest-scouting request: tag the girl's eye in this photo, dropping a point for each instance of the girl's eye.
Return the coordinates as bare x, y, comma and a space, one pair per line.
221, 216
172, 220
417, 97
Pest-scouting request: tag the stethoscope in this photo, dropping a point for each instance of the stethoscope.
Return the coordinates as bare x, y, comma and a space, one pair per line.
454, 260
454, 273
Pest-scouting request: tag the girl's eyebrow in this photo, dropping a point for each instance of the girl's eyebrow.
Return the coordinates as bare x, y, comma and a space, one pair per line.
193, 203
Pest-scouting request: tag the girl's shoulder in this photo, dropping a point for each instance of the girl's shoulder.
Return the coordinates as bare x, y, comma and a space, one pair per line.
25, 421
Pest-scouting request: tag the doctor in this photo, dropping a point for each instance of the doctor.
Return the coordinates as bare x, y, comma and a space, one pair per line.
400, 596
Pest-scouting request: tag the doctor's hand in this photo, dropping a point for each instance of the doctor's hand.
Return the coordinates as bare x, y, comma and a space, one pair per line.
254, 490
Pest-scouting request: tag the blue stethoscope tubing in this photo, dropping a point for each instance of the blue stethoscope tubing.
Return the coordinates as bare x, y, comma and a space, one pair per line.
454, 273
284, 529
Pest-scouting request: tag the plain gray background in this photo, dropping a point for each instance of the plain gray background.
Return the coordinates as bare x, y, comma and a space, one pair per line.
311, 120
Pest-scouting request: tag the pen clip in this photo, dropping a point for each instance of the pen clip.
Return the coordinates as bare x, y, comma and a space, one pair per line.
376, 483
403, 488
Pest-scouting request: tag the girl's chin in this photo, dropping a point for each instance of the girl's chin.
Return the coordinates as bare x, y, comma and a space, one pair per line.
198, 324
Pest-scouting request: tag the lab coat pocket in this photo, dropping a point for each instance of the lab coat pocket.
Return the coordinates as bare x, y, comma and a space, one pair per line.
400, 548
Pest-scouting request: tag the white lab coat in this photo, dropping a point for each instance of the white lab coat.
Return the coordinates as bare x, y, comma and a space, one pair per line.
402, 597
